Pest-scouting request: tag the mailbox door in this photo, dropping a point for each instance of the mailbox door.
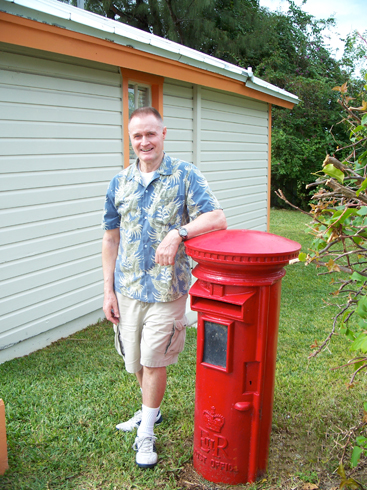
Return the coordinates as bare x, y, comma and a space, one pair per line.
226, 383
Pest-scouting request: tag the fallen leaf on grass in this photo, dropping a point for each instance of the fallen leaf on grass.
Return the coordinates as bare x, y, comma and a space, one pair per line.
310, 486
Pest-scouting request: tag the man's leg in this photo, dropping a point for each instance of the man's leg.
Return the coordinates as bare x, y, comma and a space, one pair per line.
154, 382
127, 343
135, 421
154, 385
163, 338
139, 377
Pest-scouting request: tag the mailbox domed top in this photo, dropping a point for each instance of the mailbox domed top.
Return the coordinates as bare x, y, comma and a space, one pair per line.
242, 249
245, 242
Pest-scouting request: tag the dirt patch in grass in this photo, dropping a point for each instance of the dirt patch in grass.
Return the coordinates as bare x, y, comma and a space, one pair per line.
190, 479
293, 465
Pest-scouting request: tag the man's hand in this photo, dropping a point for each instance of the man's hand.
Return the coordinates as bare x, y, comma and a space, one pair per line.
110, 308
205, 223
110, 245
167, 249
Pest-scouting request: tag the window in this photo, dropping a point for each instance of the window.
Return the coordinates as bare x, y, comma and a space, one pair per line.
139, 96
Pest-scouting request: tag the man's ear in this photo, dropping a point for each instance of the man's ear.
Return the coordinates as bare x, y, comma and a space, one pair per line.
164, 132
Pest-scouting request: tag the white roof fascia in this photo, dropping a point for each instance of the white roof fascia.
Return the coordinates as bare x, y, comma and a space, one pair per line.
73, 18
267, 88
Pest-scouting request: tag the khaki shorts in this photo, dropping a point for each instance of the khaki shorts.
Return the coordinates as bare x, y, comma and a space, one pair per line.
150, 334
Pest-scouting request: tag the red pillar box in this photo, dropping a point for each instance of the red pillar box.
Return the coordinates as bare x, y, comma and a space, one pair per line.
237, 297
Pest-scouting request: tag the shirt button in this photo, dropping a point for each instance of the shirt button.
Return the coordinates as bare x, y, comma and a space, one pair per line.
146, 190
145, 246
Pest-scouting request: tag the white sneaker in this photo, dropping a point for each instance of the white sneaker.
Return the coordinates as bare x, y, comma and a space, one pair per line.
135, 421
146, 456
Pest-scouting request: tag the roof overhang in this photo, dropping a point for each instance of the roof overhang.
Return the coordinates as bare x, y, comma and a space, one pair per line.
159, 56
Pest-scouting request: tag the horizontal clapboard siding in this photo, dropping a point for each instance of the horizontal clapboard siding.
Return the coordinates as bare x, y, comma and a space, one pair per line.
60, 144
234, 156
178, 117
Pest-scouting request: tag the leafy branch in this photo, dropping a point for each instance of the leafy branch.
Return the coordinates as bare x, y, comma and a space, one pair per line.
339, 228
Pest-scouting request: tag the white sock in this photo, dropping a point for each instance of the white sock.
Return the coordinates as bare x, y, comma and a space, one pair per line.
146, 427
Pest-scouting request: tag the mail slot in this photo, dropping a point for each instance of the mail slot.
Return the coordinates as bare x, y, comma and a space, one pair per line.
237, 297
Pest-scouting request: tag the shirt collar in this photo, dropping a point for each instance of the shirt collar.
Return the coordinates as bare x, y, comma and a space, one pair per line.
165, 168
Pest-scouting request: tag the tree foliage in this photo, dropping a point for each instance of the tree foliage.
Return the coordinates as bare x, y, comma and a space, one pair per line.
232, 30
339, 229
285, 49
355, 52
300, 63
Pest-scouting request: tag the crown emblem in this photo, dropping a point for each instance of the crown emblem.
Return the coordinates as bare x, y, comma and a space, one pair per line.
214, 421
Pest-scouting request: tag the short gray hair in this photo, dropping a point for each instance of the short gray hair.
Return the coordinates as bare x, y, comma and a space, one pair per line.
145, 111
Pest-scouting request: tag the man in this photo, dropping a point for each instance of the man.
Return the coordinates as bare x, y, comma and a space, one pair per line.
151, 208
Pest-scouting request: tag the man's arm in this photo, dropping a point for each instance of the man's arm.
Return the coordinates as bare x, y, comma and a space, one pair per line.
110, 245
211, 221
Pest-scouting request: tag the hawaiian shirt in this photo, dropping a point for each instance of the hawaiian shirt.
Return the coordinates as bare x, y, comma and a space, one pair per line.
177, 194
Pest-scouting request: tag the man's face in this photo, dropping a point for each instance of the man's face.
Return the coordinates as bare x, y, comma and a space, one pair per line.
147, 135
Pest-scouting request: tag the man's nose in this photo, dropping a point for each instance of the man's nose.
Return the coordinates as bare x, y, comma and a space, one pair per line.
144, 140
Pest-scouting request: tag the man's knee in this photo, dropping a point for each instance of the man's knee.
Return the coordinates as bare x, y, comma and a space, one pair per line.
153, 371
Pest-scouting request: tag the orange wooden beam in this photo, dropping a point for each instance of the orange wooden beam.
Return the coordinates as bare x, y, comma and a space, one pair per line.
29, 33
3, 448
125, 119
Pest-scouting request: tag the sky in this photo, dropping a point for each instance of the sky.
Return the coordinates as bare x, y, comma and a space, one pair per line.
350, 15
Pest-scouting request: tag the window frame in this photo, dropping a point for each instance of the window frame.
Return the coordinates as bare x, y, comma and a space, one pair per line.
155, 83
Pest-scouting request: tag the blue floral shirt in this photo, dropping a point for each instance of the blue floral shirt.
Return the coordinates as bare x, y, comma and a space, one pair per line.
177, 195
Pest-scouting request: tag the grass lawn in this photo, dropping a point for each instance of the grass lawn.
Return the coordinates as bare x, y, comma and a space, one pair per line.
63, 402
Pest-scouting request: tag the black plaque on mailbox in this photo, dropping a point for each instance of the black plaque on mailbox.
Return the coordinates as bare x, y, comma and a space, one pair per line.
215, 344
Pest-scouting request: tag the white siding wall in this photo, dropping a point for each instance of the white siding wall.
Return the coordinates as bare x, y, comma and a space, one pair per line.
60, 144
234, 156
178, 117
226, 136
